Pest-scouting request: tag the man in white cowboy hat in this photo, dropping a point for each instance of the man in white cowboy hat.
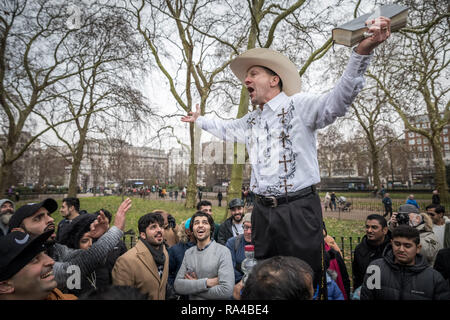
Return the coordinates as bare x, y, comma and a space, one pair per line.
280, 137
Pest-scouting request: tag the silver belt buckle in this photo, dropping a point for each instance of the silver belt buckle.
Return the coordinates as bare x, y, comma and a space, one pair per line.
274, 201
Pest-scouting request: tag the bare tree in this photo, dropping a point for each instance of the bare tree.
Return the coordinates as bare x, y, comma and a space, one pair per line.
415, 82
108, 45
35, 56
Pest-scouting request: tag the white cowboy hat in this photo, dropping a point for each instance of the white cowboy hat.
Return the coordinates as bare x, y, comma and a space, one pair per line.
273, 60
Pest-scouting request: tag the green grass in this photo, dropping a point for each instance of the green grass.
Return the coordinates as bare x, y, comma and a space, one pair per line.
139, 207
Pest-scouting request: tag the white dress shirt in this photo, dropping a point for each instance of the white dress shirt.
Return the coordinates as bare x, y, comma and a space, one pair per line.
281, 139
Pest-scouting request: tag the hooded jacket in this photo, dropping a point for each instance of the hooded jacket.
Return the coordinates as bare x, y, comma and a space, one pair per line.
428, 240
4, 228
416, 282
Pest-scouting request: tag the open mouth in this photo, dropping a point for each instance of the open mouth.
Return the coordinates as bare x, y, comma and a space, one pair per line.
200, 232
250, 90
46, 275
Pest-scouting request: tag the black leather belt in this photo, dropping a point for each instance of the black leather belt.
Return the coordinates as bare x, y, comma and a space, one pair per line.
273, 202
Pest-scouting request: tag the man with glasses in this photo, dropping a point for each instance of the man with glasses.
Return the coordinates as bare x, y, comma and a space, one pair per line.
237, 244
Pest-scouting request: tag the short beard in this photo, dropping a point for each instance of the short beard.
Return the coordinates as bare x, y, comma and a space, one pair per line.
242, 217
4, 218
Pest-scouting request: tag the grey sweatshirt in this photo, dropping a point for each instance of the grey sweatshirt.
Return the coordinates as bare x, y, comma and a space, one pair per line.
214, 261
86, 260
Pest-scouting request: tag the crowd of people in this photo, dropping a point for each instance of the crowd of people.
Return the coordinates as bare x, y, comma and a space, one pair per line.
85, 258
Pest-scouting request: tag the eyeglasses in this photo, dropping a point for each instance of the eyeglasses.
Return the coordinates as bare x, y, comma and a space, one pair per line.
246, 228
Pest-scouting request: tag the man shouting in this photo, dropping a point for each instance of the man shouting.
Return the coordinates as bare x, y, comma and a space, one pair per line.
280, 136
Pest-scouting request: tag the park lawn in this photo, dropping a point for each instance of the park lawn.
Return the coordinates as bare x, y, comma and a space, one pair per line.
139, 207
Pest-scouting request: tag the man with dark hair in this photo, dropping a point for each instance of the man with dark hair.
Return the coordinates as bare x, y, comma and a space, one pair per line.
70, 209
35, 219
146, 265
403, 273
206, 272
6, 212
280, 278
233, 226
441, 224
370, 248
26, 272
206, 207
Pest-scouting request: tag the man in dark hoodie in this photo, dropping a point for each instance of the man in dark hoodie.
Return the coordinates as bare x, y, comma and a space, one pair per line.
371, 247
403, 273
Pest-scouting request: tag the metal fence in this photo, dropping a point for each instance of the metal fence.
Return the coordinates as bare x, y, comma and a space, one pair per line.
346, 244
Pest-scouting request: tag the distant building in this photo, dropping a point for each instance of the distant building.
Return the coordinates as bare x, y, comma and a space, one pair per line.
421, 153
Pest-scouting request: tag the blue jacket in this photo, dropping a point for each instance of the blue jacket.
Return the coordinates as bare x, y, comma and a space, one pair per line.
176, 255
237, 255
334, 293
413, 202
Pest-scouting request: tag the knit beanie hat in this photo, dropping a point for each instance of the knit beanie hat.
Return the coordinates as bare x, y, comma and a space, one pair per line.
79, 226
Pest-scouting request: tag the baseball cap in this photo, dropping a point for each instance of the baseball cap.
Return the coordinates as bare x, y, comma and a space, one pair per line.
29, 209
408, 208
236, 202
17, 249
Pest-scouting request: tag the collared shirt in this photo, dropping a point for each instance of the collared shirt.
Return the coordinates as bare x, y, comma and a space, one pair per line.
281, 138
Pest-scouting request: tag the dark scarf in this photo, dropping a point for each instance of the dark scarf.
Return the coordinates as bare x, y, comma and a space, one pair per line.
158, 254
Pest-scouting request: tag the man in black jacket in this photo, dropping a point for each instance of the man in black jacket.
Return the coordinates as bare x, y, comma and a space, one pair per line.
442, 263
403, 273
233, 225
371, 247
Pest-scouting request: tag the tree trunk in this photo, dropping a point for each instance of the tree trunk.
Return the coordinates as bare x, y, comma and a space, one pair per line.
234, 190
439, 169
5, 173
191, 192
375, 166
73, 182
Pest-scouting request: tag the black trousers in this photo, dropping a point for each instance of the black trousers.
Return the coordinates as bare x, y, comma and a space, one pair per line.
291, 229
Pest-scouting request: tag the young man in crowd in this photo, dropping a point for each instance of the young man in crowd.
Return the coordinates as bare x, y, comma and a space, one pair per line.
26, 272
370, 248
146, 265
70, 209
207, 269
233, 225
206, 207
35, 219
6, 212
403, 273
441, 224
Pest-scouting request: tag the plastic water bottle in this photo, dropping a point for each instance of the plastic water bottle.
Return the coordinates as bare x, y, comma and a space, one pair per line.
249, 262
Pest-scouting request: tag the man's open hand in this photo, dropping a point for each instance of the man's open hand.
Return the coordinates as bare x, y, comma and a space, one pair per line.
119, 219
380, 28
192, 116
